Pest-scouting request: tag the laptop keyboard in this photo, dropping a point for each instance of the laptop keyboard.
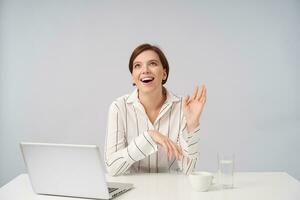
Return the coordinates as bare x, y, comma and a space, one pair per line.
110, 190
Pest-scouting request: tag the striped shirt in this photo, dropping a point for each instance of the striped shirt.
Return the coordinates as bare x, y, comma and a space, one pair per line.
130, 149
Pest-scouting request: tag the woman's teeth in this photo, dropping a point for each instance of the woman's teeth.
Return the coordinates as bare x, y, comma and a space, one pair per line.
147, 80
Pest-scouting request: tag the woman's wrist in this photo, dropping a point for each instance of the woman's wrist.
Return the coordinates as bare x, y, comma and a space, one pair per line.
152, 135
192, 126
151, 132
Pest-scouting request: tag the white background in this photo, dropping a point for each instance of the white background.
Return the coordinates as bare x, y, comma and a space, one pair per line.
62, 62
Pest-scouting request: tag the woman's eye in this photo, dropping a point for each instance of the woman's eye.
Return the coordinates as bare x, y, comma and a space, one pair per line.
153, 63
137, 66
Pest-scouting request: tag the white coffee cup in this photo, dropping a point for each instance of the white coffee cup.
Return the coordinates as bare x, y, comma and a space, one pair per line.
201, 181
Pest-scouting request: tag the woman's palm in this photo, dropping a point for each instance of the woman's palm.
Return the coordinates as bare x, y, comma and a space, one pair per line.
193, 106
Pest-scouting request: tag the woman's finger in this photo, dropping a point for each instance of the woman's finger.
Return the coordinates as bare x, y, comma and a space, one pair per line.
200, 93
203, 98
170, 149
186, 100
195, 93
175, 149
178, 148
166, 148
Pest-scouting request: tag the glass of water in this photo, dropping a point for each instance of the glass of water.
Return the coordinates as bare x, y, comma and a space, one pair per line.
225, 170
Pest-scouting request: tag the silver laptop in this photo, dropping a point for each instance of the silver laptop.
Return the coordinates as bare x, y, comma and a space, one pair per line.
69, 170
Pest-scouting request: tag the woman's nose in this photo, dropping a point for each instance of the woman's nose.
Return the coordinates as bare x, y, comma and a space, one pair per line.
145, 69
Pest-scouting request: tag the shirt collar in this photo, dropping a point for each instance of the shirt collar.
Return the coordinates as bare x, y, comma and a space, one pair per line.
133, 97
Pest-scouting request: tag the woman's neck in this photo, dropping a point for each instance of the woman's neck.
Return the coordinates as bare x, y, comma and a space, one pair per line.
154, 100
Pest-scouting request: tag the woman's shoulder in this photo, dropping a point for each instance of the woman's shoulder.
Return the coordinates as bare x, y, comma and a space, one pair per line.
120, 102
122, 99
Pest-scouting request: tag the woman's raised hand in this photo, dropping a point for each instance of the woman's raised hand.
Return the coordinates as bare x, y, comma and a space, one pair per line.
193, 107
171, 147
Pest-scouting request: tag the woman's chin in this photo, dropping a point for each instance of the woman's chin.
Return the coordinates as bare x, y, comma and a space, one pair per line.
147, 89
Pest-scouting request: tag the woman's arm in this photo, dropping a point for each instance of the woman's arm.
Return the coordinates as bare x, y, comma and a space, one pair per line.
118, 155
189, 142
190, 134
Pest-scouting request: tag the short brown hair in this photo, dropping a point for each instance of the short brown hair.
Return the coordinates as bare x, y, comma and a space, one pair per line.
145, 47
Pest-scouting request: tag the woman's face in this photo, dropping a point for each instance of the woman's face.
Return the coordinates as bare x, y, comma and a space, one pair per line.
148, 72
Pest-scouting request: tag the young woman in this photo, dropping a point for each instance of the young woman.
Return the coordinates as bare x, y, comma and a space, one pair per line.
151, 129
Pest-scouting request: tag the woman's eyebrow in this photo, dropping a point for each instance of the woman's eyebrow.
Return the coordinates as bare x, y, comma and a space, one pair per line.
136, 62
153, 60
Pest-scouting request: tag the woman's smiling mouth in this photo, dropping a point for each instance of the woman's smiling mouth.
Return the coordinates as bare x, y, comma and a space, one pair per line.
147, 80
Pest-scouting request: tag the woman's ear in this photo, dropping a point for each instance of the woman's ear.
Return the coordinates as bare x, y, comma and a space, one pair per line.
165, 75
132, 80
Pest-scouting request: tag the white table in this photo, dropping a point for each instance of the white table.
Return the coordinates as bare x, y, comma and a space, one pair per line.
261, 185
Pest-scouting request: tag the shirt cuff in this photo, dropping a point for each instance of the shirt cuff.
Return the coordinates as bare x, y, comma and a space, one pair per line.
189, 142
141, 147
193, 136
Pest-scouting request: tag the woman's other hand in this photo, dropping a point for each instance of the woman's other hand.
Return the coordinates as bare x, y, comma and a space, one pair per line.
193, 107
171, 147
